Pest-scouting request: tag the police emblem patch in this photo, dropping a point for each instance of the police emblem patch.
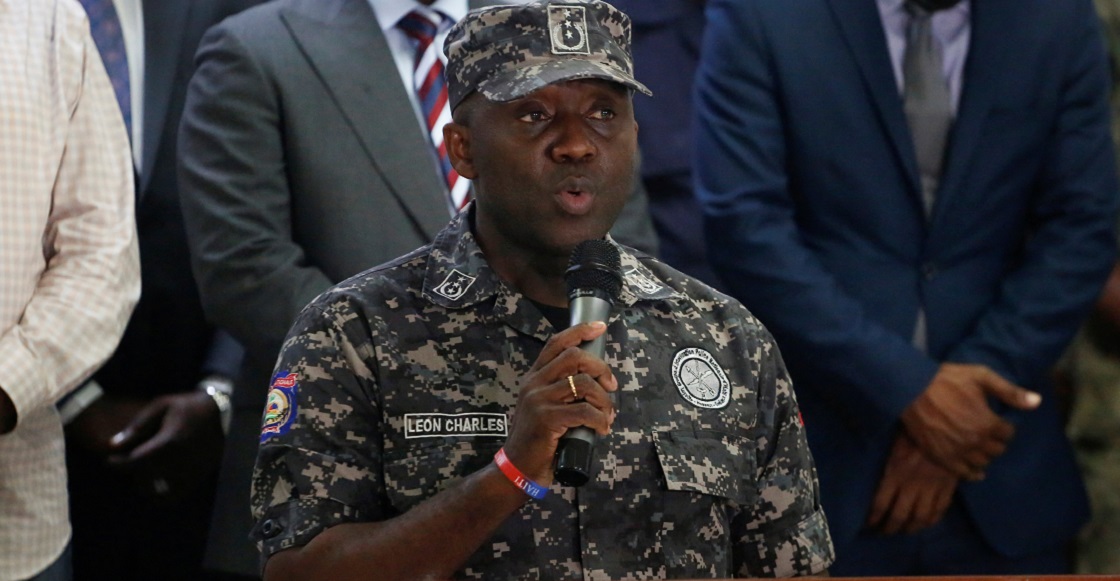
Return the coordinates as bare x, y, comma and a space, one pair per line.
568, 28
700, 379
455, 285
280, 408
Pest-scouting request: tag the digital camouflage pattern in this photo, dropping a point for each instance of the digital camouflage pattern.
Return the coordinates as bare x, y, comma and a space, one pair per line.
679, 491
506, 52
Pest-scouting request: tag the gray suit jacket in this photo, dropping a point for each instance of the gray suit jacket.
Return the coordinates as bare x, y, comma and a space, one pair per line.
302, 164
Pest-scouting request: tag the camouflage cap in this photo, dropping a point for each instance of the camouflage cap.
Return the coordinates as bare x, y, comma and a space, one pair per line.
507, 52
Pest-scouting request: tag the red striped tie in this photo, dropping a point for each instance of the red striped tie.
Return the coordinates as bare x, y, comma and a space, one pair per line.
431, 90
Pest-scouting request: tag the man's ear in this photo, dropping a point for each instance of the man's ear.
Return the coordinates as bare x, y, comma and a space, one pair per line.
457, 138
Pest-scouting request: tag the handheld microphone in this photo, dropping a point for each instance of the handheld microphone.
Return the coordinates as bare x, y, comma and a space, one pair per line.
594, 279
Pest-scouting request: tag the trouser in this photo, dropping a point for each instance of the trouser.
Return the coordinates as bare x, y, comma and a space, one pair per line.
57, 571
953, 546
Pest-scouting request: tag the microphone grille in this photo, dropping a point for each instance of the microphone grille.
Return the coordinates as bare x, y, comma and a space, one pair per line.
595, 264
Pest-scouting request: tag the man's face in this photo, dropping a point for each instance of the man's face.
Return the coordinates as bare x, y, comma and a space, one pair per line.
550, 169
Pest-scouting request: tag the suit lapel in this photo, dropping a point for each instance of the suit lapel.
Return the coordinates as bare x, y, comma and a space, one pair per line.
862, 29
164, 28
991, 24
345, 45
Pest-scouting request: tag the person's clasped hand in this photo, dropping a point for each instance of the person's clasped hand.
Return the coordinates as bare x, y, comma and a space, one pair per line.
953, 424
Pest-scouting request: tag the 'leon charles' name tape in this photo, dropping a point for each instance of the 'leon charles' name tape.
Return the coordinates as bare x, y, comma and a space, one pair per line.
442, 425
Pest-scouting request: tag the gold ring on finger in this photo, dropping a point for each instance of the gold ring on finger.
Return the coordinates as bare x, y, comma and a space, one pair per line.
572, 384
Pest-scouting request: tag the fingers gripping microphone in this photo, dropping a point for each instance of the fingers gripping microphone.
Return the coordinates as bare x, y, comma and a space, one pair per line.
594, 280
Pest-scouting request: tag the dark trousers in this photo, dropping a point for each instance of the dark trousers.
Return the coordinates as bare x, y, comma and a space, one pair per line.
122, 535
58, 571
954, 546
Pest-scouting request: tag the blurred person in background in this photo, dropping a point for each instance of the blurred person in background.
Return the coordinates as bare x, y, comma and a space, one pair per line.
1093, 368
144, 436
667, 36
69, 267
918, 197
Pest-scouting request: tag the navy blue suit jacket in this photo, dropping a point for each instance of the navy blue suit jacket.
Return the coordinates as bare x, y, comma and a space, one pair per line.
810, 186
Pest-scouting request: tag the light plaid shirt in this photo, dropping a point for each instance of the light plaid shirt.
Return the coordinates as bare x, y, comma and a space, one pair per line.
69, 265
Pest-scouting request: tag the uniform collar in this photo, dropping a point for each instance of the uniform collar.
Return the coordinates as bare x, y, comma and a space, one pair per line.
458, 275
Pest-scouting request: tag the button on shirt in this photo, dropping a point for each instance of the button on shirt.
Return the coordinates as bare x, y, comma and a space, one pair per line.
69, 267
397, 383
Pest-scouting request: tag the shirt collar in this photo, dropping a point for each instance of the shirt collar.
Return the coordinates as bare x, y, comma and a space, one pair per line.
458, 275
894, 16
389, 12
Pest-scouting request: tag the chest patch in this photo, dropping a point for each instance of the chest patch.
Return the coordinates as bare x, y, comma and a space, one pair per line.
700, 379
441, 425
455, 285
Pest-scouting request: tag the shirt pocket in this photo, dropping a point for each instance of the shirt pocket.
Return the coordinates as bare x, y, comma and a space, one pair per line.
418, 472
707, 462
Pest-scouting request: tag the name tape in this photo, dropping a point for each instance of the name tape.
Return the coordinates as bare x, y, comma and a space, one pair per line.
442, 425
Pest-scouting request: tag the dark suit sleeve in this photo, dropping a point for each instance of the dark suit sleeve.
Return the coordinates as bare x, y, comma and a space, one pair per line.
224, 357
253, 277
753, 239
1071, 247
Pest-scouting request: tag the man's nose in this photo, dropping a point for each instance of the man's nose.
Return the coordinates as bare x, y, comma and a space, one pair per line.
574, 142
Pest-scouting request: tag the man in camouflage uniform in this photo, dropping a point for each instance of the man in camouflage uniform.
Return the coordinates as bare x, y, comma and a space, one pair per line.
1093, 363
396, 388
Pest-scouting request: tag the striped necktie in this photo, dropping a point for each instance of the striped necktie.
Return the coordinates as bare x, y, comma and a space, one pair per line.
422, 26
105, 27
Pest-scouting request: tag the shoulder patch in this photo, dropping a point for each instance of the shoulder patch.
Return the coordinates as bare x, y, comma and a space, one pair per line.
280, 409
700, 379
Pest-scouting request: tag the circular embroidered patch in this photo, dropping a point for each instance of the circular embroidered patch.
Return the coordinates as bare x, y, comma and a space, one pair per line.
700, 379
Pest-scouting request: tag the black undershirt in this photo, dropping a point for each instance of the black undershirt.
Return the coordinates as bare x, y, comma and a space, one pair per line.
558, 316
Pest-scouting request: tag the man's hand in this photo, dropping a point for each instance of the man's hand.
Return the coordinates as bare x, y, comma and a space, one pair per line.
546, 407
94, 428
914, 493
1108, 305
171, 446
953, 424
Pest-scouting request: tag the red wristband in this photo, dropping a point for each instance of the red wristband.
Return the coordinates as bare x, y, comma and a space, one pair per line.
517, 478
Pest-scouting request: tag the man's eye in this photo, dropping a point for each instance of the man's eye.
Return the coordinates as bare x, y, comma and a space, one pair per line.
604, 114
533, 117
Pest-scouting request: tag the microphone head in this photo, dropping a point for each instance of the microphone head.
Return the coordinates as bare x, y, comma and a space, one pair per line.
595, 266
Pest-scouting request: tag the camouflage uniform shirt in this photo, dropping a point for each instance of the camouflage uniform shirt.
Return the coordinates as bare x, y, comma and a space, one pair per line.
400, 381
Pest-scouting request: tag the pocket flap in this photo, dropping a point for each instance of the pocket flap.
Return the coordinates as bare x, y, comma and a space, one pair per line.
707, 462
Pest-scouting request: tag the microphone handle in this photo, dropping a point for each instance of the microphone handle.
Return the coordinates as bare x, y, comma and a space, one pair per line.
574, 452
